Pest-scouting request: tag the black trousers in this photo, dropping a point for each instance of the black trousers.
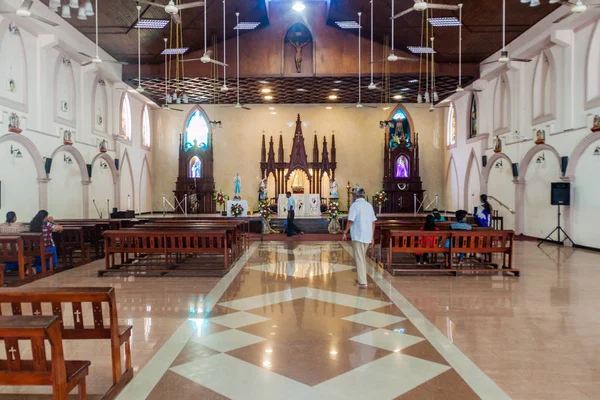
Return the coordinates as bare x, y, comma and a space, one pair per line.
291, 226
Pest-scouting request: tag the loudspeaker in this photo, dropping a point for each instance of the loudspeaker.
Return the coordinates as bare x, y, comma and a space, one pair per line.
484, 161
48, 164
564, 163
89, 170
515, 170
117, 163
560, 194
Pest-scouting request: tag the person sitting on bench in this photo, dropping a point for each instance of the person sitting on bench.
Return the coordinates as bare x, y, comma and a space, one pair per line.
461, 225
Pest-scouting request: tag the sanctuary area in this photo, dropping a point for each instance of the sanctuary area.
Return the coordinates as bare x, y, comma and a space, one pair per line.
299, 199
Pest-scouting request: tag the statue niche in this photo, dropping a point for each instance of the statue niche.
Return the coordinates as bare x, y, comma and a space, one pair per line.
401, 180
298, 50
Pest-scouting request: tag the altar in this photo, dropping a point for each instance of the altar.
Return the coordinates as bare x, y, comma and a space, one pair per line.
243, 203
307, 205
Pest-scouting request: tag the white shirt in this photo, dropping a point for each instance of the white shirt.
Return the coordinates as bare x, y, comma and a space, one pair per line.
291, 204
362, 215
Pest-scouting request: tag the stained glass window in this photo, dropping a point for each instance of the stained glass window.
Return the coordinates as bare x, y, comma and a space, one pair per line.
197, 130
146, 127
473, 117
451, 126
400, 131
126, 118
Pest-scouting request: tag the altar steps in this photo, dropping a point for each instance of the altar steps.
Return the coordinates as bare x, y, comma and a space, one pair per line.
308, 225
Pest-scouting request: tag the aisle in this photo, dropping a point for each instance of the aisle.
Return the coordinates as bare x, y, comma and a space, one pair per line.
292, 325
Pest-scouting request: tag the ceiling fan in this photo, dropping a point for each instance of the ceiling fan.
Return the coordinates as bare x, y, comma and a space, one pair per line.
166, 106
504, 58
96, 59
359, 105
139, 88
172, 9
392, 57
422, 5
459, 88
24, 12
207, 56
238, 104
576, 8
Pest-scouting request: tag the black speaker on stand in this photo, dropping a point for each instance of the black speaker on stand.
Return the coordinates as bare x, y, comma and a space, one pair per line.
560, 195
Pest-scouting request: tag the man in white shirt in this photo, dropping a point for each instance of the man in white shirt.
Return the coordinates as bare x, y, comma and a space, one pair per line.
361, 224
292, 228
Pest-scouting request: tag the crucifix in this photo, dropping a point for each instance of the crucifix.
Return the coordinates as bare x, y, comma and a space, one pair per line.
12, 352
298, 59
37, 313
77, 314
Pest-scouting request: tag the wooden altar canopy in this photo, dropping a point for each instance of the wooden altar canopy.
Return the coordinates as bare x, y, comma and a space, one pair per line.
401, 180
315, 170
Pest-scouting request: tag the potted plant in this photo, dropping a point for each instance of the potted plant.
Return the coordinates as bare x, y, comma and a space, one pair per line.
221, 198
379, 198
333, 211
264, 209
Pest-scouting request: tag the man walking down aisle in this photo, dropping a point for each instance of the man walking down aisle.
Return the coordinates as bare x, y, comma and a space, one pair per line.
361, 225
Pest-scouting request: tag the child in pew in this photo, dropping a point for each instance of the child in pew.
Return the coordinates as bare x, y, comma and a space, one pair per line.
11, 227
423, 258
460, 225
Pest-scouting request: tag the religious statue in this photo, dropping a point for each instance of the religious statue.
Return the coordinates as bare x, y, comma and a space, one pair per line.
14, 124
67, 137
64, 106
497, 144
196, 168
596, 123
540, 136
12, 87
298, 57
401, 167
237, 187
333, 190
262, 190
103, 146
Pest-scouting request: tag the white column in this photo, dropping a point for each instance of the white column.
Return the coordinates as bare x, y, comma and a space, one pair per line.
566, 78
519, 206
86, 198
43, 193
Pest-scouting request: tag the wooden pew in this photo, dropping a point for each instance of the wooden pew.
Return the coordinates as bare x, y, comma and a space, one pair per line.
435, 242
15, 370
68, 301
11, 250
33, 246
72, 246
28, 246
163, 246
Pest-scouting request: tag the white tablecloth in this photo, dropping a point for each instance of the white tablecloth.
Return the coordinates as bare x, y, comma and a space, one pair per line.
307, 205
243, 203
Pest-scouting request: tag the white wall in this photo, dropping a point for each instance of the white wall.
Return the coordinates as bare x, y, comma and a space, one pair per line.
33, 59
561, 96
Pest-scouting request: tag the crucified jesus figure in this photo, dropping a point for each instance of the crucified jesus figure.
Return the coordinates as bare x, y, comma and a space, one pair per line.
298, 59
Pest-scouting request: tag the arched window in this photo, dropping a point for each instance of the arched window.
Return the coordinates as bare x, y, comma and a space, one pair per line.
451, 130
195, 168
196, 132
126, 118
501, 106
145, 127
473, 118
400, 130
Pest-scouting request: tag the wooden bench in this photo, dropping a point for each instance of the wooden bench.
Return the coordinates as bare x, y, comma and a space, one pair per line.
165, 245
58, 298
11, 250
72, 246
451, 243
16, 370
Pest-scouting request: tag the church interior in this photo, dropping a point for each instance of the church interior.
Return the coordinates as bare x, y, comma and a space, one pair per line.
299, 199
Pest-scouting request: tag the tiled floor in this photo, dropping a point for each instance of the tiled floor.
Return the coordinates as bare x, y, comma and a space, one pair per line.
288, 323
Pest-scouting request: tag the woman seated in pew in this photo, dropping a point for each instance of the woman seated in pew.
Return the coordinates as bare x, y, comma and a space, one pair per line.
483, 213
11, 227
437, 217
46, 225
428, 226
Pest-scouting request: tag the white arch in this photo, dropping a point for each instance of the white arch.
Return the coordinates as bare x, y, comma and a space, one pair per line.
485, 176
4, 24
95, 88
592, 66
578, 153
472, 161
529, 157
449, 170
124, 158
57, 117
541, 77
111, 164
78, 157
31, 149
502, 99
146, 165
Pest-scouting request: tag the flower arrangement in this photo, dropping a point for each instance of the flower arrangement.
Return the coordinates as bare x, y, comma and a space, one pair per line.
264, 209
380, 197
221, 198
236, 209
333, 209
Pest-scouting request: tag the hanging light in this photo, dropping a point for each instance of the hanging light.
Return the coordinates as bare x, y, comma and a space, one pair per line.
81, 14
420, 97
427, 96
525, 1
435, 96
534, 3
66, 12
185, 98
74, 3
169, 98
53, 5
89, 10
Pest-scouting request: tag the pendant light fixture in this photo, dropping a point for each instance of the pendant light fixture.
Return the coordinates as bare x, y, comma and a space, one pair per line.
139, 89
